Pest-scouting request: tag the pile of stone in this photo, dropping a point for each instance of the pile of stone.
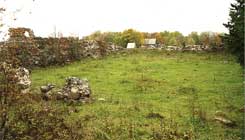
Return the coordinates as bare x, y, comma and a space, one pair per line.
75, 89
23, 79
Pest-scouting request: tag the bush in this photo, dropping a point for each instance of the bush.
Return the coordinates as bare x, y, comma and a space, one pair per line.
32, 118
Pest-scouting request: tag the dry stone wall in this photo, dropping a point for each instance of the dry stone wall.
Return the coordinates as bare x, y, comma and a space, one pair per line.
37, 51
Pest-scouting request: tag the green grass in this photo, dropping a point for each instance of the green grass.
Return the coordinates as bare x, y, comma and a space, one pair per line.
184, 89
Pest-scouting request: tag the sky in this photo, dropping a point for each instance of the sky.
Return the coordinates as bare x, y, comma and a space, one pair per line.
83, 17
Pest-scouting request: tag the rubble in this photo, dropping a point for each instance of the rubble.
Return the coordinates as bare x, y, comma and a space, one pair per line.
75, 89
23, 79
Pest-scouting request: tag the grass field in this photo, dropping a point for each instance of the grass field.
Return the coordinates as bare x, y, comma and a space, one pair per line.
151, 94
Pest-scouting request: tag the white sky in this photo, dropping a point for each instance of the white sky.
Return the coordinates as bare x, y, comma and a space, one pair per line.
83, 17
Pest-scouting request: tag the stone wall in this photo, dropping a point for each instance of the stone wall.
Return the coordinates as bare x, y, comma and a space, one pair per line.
37, 51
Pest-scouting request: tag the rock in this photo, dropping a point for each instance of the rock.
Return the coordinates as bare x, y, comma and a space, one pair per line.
222, 118
101, 99
75, 89
47, 88
155, 115
60, 96
46, 91
242, 109
47, 96
220, 113
186, 136
225, 121
74, 94
23, 79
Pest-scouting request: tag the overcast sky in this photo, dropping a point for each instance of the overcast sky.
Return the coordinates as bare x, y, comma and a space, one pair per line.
83, 17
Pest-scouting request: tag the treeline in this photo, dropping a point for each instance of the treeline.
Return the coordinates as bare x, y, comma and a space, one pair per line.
165, 38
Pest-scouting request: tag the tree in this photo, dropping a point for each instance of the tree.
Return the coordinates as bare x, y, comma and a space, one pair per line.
131, 35
159, 38
2, 14
173, 41
163, 38
195, 37
234, 41
189, 41
96, 35
218, 40
176, 38
204, 38
215, 40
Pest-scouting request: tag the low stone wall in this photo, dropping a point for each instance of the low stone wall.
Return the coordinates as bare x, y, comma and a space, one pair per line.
196, 48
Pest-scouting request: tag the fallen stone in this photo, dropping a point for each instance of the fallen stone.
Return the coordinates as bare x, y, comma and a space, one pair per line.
101, 99
225, 121
222, 118
155, 115
46, 91
47, 88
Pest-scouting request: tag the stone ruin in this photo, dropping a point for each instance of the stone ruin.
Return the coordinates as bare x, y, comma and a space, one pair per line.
75, 89
23, 79
20, 33
51, 51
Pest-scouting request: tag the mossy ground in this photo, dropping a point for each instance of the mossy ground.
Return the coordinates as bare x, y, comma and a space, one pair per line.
149, 93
